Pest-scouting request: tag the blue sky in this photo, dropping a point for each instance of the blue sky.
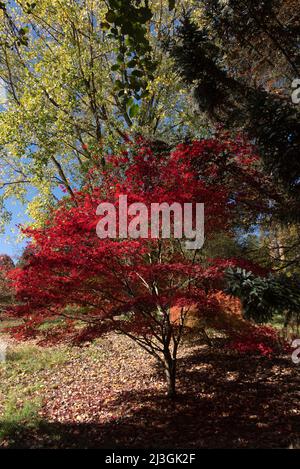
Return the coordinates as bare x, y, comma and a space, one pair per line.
9, 242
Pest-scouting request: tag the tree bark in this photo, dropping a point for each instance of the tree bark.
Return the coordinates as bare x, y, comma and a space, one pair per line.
170, 372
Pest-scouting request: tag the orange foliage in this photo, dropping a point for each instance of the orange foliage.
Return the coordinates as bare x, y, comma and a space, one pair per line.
229, 317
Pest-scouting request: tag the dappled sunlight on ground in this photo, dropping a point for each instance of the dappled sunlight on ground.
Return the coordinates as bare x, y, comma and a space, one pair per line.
112, 395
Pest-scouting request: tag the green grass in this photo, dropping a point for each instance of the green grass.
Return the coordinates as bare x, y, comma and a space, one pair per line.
28, 358
21, 385
17, 417
5, 324
278, 321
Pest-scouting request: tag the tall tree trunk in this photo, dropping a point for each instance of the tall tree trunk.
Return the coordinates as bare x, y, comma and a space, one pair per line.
170, 372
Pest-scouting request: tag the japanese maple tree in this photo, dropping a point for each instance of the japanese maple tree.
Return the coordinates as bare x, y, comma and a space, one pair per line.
131, 285
6, 293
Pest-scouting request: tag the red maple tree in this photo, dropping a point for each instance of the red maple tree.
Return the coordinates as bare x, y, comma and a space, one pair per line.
6, 293
130, 285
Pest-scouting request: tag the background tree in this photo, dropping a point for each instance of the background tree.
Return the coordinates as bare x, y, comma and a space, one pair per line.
80, 76
266, 296
6, 294
241, 59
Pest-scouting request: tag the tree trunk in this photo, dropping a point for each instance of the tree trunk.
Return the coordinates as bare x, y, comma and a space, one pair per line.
170, 372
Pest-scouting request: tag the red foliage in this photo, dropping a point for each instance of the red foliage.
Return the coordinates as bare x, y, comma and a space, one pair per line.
69, 272
256, 339
6, 264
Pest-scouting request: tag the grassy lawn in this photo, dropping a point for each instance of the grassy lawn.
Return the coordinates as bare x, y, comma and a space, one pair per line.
22, 385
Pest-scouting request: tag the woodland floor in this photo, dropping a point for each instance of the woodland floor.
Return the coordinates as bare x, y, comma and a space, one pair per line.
111, 395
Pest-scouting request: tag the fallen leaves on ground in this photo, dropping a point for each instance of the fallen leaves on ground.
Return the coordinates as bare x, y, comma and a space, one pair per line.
112, 395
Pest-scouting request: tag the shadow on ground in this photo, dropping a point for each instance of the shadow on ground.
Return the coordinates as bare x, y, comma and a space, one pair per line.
224, 401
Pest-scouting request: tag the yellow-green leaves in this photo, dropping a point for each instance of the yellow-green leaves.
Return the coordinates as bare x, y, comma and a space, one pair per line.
86, 74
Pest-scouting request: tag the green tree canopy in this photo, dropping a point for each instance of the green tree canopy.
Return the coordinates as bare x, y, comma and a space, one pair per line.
80, 76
